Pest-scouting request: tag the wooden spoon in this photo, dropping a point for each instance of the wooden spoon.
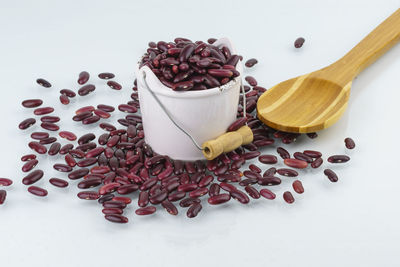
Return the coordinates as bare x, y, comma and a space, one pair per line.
315, 101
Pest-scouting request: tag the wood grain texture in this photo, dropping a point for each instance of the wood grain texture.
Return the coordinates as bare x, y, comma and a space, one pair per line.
315, 101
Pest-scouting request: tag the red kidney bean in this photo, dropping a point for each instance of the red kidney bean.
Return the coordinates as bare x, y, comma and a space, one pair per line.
43, 83
252, 192
251, 80
5, 182
37, 191
187, 187
90, 182
301, 156
32, 177
298, 187
288, 197
338, 158
86, 138
54, 149
105, 108
312, 153
248, 181
67, 135
331, 175
312, 135
114, 211
77, 153
127, 189
3, 195
67, 92
296, 163
251, 62
269, 180
50, 119
146, 210
219, 199
251, 155
114, 204
102, 114
183, 86
175, 196
50, 126
43, 111
116, 218
228, 187
268, 194
237, 124
25, 124
143, 199
206, 180
78, 173
251, 174
268, 159
91, 120
158, 197
47, 141
100, 170
106, 75
194, 210
39, 135
350, 144
58, 182
29, 165
86, 89
62, 167
240, 196
32, 103
299, 42
64, 99
84, 110
114, 85
28, 157
82, 116
198, 192
220, 73
254, 168
105, 198
88, 195
169, 207
287, 172
316, 163
83, 77
187, 202
39, 148
86, 162
66, 148
283, 153
127, 108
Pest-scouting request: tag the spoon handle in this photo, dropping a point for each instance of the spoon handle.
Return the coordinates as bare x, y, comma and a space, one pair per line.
374, 45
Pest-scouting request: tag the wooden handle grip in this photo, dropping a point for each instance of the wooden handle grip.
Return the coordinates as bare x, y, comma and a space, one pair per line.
374, 45
227, 142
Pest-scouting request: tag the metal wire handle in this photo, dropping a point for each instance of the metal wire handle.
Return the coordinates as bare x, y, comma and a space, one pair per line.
174, 122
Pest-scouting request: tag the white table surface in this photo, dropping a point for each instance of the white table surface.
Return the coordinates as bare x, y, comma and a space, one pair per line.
354, 222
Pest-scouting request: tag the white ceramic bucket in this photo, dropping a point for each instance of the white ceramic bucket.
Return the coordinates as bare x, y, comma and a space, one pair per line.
205, 114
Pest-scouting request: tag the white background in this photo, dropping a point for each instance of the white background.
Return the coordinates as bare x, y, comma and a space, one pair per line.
354, 222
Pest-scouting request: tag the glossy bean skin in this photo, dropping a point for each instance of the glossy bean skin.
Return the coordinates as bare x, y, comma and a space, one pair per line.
5, 182
338, 159
316, 163
296, 163
288, 197
3, 196
83, 77
32, 103
349, 143
194, 210
25, 124
116, 218
298, 187
219, 199
37, 191
58, 182
33, 177
331, 175
268, 194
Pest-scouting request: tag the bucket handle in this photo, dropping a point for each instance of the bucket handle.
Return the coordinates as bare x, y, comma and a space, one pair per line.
224, 143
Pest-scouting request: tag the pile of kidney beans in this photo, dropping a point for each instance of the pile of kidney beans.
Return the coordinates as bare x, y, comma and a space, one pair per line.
118, 166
